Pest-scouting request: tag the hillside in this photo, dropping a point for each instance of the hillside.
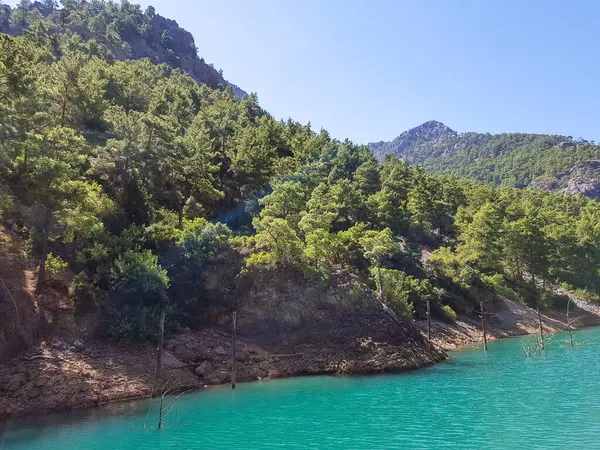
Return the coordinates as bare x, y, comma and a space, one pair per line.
129, 190
114, 31
508, 159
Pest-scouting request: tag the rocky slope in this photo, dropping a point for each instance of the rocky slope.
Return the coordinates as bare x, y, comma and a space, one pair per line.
286, 327
508, 319
140, 35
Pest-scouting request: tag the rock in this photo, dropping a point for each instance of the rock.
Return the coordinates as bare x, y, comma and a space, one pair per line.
264, 365
182, 352
273, 374
33, 393
79, 346
219, 377
243, 355
219, 350
40, 382
223, 376
203, 368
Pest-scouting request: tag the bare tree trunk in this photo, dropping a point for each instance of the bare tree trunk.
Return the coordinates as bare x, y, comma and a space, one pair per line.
160, 412
428, 320
159, 355
42, 272
233, 361
541, 329
569, 323
483, 326
380, 282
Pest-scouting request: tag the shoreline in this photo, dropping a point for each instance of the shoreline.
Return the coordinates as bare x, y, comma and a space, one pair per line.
56, 377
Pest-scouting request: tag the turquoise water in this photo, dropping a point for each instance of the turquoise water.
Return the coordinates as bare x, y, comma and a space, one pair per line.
499, 400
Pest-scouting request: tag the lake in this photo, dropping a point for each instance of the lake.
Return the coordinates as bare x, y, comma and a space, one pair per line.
501, 400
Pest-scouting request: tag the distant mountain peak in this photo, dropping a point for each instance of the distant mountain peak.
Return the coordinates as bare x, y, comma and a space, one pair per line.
433, 129
430, 131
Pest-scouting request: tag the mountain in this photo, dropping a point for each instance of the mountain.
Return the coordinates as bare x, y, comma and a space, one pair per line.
432, 131
510, 159
115, 31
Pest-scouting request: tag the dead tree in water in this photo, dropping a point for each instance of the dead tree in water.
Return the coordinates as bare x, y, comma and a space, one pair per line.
159, 354
569, 323
233, 361
541, 329
167, 400
483, 326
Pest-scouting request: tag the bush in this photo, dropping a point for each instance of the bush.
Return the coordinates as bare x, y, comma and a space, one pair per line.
449, 313
138, 294
549, 300
587, 295
398, 290
55, 267
82, 290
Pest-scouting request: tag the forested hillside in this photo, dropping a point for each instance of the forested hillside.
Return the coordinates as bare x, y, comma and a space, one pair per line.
133, 179
112, 31
509, 159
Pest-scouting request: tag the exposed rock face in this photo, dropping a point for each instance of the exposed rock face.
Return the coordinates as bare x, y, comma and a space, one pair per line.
584, 178
289, 326
163, 41
286, 326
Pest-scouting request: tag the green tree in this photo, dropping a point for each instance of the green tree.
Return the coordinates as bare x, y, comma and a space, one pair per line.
378, 247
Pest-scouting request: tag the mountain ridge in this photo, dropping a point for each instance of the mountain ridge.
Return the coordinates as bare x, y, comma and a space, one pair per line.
510, 159
120, 32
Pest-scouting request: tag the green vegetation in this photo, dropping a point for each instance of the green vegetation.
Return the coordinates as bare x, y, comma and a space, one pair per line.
508, 159
139, 179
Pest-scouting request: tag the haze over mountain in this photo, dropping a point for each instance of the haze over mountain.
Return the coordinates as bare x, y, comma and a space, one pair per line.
511, 159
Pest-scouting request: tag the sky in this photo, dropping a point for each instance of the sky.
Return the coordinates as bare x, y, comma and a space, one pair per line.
368, 70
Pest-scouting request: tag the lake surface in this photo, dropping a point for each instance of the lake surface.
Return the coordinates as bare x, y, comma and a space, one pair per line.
497, 400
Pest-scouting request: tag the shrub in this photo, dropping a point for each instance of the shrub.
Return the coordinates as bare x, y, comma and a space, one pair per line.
138, 293
449, 313
55, 267
398, 290
82, 290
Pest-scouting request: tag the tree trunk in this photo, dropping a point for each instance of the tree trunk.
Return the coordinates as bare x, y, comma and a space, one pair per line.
380, 282
541, 329
42, 272
159, 355
233, 361
569, 323
428, 320
483, 326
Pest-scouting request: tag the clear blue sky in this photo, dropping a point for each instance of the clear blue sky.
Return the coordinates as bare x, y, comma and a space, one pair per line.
370, 69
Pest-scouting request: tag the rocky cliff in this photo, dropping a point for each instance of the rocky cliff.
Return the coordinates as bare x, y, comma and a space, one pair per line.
121, 30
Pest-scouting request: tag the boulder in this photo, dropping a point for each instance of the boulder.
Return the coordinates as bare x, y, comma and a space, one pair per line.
219, 350
219, 377
242, 355
223, 376
182, 352
79, 346
203, 368
273, 374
